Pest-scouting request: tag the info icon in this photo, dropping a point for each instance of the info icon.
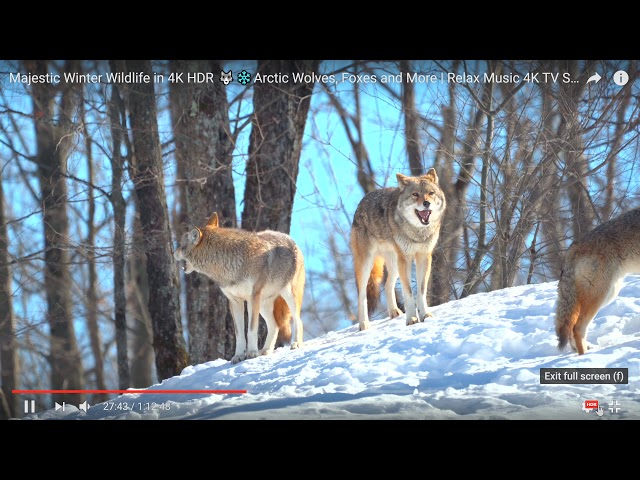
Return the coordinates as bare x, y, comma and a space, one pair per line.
621, 78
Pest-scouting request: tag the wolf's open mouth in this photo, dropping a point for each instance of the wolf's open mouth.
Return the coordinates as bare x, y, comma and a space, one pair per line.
424, 215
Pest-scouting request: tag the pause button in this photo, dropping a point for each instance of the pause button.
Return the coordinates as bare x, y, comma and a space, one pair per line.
29, 406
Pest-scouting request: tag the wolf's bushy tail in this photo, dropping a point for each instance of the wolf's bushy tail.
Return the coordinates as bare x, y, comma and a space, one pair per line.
282, 315
281, 311
373, 285
567, 306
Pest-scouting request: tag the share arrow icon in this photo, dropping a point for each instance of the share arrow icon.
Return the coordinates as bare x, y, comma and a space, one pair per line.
594, 78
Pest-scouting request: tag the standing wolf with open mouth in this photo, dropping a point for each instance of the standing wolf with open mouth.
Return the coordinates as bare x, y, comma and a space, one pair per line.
392, 228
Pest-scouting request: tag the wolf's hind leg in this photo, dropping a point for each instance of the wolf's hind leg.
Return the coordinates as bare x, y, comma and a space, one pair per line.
590, 301
253, 315
237, 312
266, 310
363, 271
298, 330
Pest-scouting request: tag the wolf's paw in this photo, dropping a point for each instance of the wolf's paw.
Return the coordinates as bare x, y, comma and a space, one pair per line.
237, 358
266, 351
252, 354
427, 315
412, 320
364, 326
395, 312
296, 345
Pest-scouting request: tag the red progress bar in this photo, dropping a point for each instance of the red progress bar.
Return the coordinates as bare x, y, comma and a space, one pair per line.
173, 392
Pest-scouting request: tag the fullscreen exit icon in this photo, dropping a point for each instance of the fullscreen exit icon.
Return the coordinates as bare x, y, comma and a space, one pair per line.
614, 406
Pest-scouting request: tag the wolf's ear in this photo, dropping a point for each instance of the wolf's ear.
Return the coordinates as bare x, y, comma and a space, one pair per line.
195, 236
403, 179
213, 220
431, 175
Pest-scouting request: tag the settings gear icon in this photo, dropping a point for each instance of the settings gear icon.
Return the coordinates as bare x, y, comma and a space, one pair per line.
244, 77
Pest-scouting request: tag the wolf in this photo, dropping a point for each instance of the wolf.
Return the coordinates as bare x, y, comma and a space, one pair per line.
393, 228
226, 77
264, 269
592, 275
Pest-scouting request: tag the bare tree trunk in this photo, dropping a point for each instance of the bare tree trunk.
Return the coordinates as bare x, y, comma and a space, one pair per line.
5, 412
536, 198
412, 140
512, 168
279, 119
54, 135
9, 366
454, 222
552, 228
91, 296
474, 273
275, 143
138, 316
148, 177
203, 151
117, 121
582, 213
443, 267
621, 129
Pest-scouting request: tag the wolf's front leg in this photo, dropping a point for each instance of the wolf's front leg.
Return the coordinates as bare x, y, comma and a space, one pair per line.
423, 271
237, 312
390, 287
404, 269
253, 314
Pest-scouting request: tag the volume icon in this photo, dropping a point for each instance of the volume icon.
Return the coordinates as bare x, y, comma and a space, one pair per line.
84, 406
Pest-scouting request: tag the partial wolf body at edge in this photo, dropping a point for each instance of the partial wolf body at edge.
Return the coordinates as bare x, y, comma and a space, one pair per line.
264, 269
392, 228
592, 275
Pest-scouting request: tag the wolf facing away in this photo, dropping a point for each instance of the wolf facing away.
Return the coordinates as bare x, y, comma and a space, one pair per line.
393, 227
592, 275
264, 269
